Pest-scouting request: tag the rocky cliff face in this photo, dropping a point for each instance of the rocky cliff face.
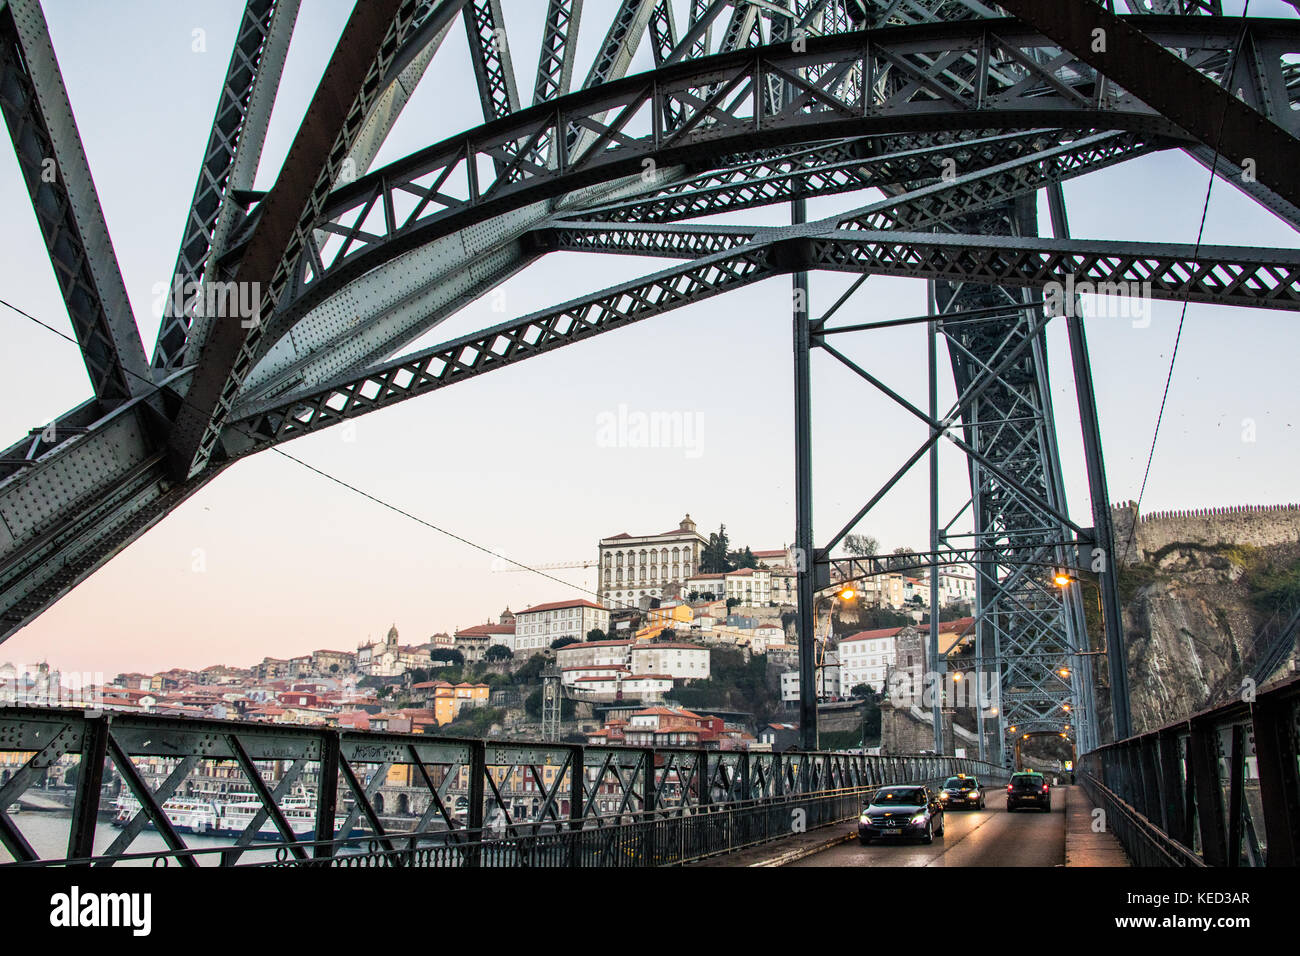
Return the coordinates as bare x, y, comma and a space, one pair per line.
1197, 618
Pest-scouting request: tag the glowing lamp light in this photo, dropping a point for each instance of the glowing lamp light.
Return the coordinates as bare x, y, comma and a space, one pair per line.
848, 594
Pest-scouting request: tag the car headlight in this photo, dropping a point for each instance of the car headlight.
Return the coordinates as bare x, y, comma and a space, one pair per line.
973, 795
864, 818
944, 795
919, 818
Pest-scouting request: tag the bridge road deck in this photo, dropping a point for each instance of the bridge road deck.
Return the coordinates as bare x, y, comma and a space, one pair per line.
991, 837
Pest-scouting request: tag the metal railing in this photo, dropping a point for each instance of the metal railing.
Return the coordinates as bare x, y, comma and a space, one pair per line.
1219, 789
463, 802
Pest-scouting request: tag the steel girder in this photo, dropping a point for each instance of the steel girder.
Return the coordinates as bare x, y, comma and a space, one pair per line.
356, 76
559, 45
230, 160
1262, 134
442, 189
1230, 276
1224, 275
57, 175
490, 53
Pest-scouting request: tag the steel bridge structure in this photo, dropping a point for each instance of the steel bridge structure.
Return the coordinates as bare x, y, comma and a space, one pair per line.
958, 112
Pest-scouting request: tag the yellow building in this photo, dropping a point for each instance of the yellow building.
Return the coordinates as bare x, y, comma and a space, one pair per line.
675, 616
446, 700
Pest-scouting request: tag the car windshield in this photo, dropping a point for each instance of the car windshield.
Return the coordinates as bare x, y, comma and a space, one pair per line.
959, 783
899, 797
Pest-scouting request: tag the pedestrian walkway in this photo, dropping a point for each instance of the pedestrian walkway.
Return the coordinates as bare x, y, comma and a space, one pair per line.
1085, 846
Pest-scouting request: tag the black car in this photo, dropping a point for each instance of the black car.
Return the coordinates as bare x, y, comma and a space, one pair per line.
1029, 790
911, 811
962, 792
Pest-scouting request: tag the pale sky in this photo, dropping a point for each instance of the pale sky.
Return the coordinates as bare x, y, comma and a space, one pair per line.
514, 460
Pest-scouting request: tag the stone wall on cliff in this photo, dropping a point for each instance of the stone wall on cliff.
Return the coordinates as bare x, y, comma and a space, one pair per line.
1258, 525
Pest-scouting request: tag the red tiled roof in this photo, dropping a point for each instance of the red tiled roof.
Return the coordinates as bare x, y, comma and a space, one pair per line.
556, 605
665, 711
483, 630
871, 635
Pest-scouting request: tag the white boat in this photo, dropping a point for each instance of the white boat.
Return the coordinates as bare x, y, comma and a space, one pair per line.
299, 813
187, 815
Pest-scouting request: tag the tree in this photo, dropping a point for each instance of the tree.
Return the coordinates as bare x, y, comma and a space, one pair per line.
564, 642
742, 558
533, 704
693, 596
666, 635
732, 602
531, 670
713, 556
419, 675
498, 652
449, 656
861, 545
595, 634
334, 668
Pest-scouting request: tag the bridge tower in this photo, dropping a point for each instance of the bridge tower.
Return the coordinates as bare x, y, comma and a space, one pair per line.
552, 698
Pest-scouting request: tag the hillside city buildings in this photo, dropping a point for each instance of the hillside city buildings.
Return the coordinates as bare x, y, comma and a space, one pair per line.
663, 622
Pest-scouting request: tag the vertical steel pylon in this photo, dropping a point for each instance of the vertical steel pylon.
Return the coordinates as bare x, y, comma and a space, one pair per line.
1036, 626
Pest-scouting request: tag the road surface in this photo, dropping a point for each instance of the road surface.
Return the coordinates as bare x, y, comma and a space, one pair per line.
991, 837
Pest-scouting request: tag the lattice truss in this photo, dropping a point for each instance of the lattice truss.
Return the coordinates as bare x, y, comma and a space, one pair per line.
369, 798
957, 113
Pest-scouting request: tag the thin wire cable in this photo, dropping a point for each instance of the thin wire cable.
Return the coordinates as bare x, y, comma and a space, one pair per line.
349, 486
1196, 251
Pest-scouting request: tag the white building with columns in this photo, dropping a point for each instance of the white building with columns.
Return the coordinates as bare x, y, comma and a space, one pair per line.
635, 568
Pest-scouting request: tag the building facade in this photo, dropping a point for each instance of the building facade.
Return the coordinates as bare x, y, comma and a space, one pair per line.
679, 661
635, 569
867, 657
535, 628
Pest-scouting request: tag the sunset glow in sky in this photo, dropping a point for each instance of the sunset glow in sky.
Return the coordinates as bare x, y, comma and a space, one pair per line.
271, 559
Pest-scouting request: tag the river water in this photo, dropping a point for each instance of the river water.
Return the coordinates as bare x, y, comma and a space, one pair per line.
47, 832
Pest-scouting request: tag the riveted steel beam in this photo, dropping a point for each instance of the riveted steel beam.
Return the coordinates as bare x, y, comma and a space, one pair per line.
57, 175
239, 127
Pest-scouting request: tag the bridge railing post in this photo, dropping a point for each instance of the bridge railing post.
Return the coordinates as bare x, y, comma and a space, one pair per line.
477, 791
577, 784
90, 780
1279, 781
648, 838
327, 788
